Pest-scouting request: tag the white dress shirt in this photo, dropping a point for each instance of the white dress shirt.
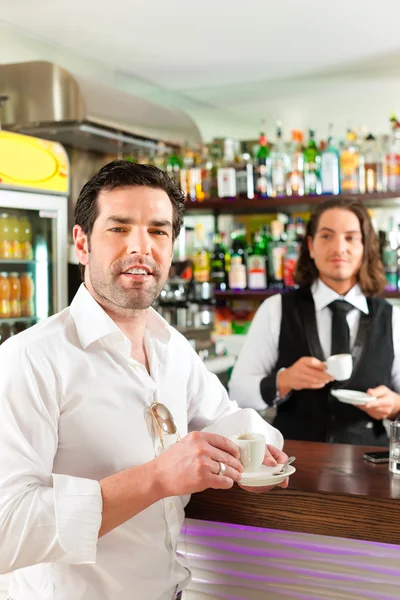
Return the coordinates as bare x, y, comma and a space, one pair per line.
73, 410
259, 353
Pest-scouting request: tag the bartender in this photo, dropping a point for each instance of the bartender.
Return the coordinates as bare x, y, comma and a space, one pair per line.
335, 310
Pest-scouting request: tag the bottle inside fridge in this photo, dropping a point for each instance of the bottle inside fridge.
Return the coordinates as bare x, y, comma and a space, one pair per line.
28, 270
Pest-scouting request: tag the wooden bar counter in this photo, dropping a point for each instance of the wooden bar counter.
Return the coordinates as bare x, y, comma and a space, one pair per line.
334, 492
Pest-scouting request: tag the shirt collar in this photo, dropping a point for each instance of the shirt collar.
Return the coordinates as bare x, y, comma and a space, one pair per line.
324, 295
93, 323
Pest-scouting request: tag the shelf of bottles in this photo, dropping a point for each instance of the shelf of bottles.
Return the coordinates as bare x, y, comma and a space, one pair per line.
233, 177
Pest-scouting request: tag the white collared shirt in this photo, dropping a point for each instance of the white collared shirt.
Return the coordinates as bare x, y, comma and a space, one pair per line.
74, 410
259, 354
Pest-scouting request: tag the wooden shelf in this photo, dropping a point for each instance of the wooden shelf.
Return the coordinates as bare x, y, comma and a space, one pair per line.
288, 203
263, 294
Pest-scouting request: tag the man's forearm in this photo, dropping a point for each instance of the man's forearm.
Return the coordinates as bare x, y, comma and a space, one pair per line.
126, 494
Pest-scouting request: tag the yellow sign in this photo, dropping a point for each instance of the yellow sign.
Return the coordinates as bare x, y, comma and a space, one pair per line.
30, 162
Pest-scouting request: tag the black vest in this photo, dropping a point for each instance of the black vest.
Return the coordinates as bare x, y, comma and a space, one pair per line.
316, 415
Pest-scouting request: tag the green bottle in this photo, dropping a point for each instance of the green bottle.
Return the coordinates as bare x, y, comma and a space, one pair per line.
257, 264
263, 167
312, 166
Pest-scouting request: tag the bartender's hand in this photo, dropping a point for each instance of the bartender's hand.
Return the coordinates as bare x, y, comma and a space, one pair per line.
192, 465
306, 373
387, 405
273, 457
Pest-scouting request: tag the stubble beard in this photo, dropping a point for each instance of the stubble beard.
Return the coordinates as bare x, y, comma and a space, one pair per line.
108, 287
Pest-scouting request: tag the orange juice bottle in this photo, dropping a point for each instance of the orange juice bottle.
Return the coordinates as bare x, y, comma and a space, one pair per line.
26, 238
27, 293
15, 295
16, 247
5, 308
5, 236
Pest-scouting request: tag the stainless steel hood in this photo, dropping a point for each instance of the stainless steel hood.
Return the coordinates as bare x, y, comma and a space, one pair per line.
47, 101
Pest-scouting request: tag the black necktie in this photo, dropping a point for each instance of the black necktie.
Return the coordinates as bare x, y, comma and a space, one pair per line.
340, 329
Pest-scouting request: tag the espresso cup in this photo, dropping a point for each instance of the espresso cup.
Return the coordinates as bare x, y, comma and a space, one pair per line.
340, 366
252, 450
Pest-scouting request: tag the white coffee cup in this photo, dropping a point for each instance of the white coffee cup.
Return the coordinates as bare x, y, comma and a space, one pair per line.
252, 450
340, 366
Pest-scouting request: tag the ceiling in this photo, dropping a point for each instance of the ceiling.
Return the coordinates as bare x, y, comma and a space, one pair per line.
234, 57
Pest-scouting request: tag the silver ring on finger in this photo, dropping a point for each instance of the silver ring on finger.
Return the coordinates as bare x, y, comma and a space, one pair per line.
222, 468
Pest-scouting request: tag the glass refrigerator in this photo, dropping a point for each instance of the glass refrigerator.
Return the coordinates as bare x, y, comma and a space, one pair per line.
34, 185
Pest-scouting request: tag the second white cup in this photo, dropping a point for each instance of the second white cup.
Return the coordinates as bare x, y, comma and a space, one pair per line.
252, 450
340, 366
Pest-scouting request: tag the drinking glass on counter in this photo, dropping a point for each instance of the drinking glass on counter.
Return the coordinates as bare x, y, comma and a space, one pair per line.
394, 452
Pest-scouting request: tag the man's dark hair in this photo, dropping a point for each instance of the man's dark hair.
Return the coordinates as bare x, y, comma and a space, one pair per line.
371, 277
121, 174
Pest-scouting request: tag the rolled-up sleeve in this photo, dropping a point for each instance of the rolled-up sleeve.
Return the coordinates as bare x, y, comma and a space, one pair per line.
44, 517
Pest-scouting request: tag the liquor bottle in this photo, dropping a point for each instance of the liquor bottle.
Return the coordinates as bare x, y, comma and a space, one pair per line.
227, 173
393, 158
280, 165
330, 171
256, 265
238, 244
312, 166
373, 167
352, 179
217, 264
215, 155
174, 166
189, 175
290, 256
201, 257
245, 175
296, 175
237, 274
276, 252
390, 259
202, 175
263, 167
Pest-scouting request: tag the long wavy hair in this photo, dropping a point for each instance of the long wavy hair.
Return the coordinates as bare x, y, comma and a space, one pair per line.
371, 276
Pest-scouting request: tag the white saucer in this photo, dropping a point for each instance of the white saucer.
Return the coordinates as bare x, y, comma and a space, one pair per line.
265, 476
353, 397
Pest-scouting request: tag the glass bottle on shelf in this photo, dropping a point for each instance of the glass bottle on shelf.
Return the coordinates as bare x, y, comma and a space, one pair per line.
27, 294
216, 163
390, 258
290, 256
189, 174
26, 239
280, 165
174, 166
257, 264
201, 257
238, 244
5, 236
262, 176
245, 175
330, 171
204, 176
237, 274
312, 166
227, 173
276, 252
15, 295
393, 158
352, 166
5, 306
16, 247
217, 264
296, 175
373, 167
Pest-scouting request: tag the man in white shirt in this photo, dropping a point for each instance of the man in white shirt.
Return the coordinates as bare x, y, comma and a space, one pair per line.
335, 310
92, 401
